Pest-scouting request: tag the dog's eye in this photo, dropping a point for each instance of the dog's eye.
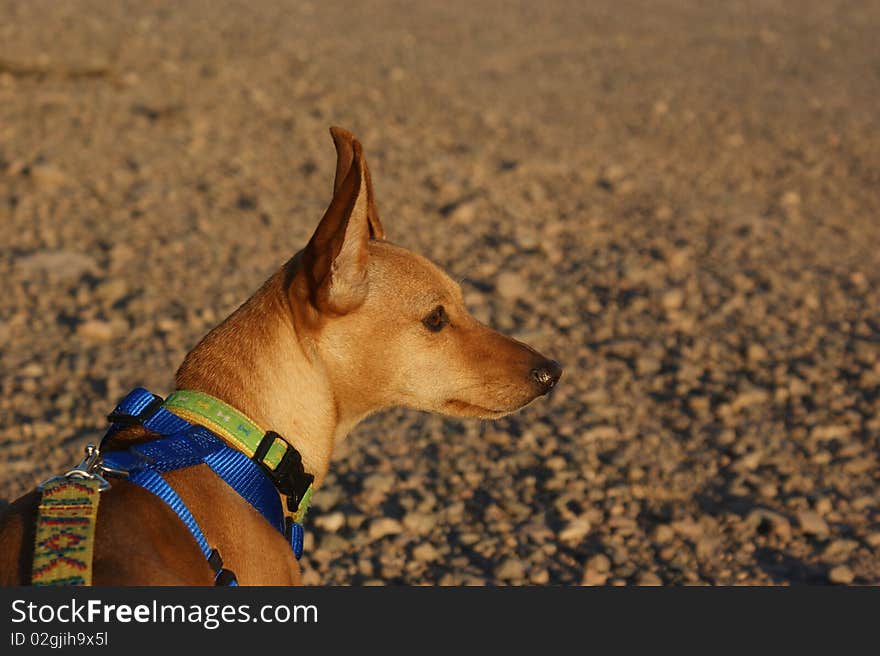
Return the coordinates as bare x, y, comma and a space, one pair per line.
436, 320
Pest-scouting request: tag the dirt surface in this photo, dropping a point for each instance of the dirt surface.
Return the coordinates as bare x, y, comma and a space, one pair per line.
680, 203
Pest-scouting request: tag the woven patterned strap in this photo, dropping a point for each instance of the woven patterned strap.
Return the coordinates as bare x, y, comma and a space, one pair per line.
65, 535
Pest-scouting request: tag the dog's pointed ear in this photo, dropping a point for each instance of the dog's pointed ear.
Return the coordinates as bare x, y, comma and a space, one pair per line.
345, 145
335, 259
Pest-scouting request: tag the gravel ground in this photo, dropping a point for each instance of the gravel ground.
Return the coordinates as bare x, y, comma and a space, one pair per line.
680, 203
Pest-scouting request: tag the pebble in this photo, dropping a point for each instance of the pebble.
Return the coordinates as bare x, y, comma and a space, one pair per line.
48, 177
599, 563
841, 574
575, 531
384, 526
511, 569
756, 353
593, 577
419, 523
813, 524
649, 578
111, 291
663, 534
600, 433
791, 199
539, 576
380, 483
526, 237
426, 552
673, 299
688, 528
95, 330
839, 550
330, 522
464, 212
511, 286
64, 264
32, 370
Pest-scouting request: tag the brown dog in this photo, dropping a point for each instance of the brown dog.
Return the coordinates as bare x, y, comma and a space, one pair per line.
350, 325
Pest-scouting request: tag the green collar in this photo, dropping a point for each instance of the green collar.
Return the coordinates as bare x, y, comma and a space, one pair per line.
243, 433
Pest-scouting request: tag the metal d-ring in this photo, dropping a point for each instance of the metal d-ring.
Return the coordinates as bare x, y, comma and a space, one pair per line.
91, 467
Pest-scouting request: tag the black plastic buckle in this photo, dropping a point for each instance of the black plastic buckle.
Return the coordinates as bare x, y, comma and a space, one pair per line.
289, 476
225, 577
215, 560
125, 419
222, 576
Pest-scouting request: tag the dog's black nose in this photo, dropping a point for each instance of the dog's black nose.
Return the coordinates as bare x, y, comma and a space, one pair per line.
547, 375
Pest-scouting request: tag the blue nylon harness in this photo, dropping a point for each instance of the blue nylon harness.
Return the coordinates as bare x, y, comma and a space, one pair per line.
184, 445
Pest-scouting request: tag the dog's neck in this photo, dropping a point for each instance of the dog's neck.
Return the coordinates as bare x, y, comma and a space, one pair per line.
256, 362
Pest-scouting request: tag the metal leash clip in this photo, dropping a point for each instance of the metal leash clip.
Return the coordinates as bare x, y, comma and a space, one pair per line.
91, 467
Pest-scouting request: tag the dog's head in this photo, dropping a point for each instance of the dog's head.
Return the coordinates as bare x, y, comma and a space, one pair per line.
390, 327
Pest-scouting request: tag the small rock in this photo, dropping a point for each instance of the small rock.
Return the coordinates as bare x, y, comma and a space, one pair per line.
599, 563
611, 176
539, 576
663, 534
511, 286
601, 433
749, 398
167, 325
556, 463
828, 432
95, 330
689, 529
791, 199
756, 353
379, 483
575, 531
823, 506
420, 523
464, 212
707, 547
332, 543
749, 462
768, 490
859, 279
649, 578
592, 577
426, 553
839, 550
813, 524
64, 264
49, 177
647, 366
673, 299
379, 528
841, 574
111, 290
511, 569
331, 522
526, 237
32, 370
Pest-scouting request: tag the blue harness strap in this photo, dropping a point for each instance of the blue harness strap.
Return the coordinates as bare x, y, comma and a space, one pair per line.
184, 445
140, 407
153, 482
